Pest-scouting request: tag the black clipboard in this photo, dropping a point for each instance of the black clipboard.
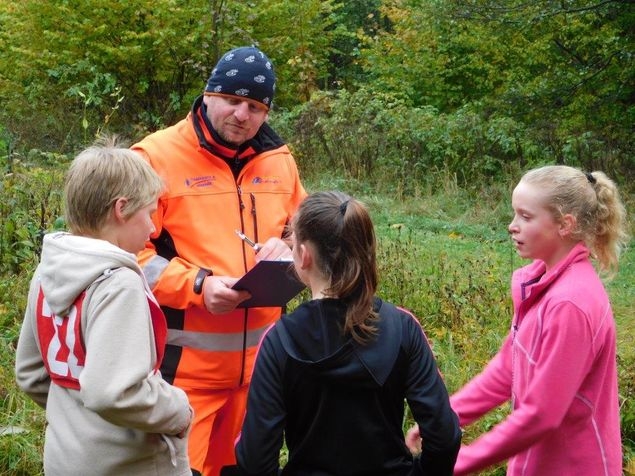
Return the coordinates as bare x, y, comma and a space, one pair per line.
271, 284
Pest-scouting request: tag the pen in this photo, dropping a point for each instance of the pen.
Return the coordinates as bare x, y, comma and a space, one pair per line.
251, 243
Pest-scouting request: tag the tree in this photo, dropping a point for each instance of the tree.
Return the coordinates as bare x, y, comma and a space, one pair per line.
76, 65
299, 38
564, 70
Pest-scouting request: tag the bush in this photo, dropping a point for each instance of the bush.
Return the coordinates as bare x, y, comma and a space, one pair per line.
31, 204
381, 139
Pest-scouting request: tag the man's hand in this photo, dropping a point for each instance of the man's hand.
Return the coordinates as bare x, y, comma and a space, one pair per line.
218, 295
274, 249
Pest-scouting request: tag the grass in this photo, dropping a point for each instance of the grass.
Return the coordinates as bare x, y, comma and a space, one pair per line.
443, 253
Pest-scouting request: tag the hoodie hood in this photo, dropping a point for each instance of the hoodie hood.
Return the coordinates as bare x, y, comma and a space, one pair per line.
70, 263
312, 334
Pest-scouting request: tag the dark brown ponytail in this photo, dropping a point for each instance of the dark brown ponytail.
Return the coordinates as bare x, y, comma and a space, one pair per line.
342, 233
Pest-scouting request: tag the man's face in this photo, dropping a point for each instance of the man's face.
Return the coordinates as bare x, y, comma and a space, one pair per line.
236, 120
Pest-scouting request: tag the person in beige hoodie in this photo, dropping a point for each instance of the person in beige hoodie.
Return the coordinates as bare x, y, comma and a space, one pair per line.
93, 336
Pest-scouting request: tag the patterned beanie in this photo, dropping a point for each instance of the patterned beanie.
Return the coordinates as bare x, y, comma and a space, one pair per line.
244, 72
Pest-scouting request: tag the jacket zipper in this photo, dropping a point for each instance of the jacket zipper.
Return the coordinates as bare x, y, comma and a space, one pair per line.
243, 357
241, 205
253, 216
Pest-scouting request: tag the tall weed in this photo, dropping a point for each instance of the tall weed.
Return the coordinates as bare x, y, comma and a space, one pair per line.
30, 205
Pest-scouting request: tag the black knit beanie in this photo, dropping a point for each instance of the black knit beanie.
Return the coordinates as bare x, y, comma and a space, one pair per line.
244, 72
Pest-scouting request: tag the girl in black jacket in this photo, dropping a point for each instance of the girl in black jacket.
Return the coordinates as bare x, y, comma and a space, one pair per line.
332, 377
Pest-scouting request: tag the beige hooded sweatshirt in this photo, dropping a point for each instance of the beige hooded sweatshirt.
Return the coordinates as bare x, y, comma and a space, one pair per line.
124, 417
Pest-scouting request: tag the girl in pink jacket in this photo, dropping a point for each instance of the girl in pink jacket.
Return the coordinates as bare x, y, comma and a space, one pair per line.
557, 366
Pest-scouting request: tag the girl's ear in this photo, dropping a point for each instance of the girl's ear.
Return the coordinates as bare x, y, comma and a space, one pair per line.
306, 257
567, 225
118, 208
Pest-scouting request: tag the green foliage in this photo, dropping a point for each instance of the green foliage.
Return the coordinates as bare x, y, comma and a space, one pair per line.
79, 62
446, 257
524, 81
69, 64
431, 58
101, 89
22, 422
31, 204
377, 137
456, 293
562, 71
622, 293
355, 19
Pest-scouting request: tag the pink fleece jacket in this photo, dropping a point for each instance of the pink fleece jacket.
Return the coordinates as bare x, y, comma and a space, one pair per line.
558, 368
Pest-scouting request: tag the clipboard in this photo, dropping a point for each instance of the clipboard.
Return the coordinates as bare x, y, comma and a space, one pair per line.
271, 284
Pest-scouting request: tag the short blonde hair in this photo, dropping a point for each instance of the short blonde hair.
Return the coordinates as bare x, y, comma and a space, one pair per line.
100, 175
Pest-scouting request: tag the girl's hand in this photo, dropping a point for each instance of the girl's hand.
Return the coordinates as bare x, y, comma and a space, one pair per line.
413, 440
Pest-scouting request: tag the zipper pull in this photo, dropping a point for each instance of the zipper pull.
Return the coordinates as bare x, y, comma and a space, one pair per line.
253, 215
240, 199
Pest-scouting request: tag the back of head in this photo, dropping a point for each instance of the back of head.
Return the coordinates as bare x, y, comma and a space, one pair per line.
101, 174
342, 233
593, 199
244, 72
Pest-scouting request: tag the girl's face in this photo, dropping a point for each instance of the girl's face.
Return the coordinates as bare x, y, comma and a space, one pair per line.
534, 231
137, 228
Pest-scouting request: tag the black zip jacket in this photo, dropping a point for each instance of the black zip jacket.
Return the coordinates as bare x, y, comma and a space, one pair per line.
340, 405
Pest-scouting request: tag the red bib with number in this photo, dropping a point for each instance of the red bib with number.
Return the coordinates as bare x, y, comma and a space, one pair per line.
62, 344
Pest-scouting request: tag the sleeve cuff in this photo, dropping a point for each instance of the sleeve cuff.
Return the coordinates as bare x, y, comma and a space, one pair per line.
200, 279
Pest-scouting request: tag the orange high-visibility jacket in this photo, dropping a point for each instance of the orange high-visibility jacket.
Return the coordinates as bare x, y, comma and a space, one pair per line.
195, 230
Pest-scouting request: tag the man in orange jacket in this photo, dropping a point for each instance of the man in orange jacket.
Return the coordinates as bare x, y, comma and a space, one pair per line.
225, 170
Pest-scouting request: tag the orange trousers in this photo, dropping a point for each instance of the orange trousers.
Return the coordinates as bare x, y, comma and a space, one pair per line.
218, 418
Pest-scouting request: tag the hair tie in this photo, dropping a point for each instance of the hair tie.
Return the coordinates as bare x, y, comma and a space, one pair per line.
343, 207
590, 178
